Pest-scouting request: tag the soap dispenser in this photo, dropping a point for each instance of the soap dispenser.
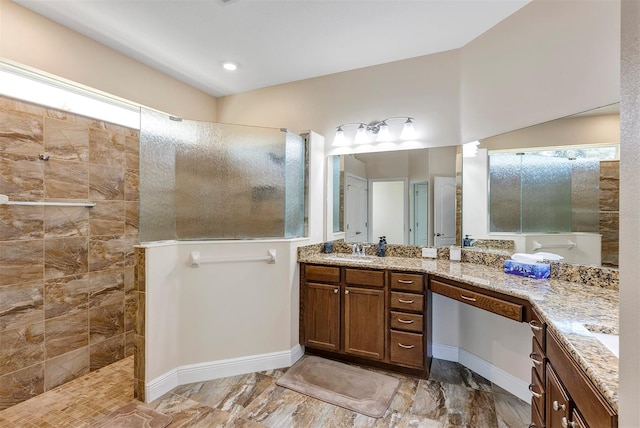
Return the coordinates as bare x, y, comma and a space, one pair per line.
466, 242
382, 246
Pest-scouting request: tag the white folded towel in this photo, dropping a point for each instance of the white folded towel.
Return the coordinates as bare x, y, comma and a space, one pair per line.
535, 258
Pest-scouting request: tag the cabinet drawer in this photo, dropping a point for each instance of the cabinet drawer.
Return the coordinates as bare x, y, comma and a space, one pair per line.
536, 419
407, 349
538, 395
407, 282
372, 278
507, 309
593, 406
539, 329
538, 358
322, 273
406, 321
407, 301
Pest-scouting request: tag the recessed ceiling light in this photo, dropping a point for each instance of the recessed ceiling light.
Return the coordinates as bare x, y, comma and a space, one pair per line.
230, 65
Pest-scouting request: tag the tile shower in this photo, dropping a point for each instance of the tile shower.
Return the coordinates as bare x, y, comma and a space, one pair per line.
67, 292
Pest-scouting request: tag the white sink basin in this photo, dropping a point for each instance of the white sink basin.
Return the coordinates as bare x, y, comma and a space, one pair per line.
611, 341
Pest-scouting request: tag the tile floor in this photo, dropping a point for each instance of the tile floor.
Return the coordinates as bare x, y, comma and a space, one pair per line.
453, 396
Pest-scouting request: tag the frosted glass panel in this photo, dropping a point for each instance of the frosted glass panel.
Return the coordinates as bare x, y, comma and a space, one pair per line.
504, 193
159, 137
294, 186
546, 194
585, 195
218, 181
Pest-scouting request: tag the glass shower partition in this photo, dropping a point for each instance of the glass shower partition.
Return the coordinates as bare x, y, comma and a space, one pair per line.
203, 180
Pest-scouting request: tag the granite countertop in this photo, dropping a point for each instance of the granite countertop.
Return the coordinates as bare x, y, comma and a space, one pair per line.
571, 309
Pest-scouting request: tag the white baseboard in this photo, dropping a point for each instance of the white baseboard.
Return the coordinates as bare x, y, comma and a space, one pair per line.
219, 369
503, 379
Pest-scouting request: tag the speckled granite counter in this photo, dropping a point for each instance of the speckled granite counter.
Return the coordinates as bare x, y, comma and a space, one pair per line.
567, 307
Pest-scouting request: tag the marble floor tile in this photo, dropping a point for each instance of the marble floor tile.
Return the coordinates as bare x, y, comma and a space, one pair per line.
255, 401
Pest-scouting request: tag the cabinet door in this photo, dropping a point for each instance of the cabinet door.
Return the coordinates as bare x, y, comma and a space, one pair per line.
557, 405
322, 316
364, 322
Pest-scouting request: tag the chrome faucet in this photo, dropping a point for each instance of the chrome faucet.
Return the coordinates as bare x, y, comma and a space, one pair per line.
359, 249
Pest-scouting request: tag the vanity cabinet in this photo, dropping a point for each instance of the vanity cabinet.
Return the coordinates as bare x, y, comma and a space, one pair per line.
562, 395
367, 316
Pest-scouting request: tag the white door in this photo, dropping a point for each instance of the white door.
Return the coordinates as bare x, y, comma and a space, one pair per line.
388, 208
444, 211
420, 214
356, 202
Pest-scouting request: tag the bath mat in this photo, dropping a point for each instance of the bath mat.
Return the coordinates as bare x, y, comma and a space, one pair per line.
353, 388
133, 416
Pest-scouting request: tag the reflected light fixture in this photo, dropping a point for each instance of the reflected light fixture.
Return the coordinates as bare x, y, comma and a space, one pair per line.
377, 131
469, 150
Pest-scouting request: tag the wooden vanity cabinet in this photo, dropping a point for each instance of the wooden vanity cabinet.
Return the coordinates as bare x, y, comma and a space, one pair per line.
407, 335
321, 304
367, 316
364, 314
343, 310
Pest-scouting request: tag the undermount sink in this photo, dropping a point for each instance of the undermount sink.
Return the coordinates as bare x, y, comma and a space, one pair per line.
611, 341
350, 258
608, 339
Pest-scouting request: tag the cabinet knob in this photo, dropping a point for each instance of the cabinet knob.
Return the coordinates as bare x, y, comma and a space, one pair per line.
566, 423
557, 406
346, 291
335, 291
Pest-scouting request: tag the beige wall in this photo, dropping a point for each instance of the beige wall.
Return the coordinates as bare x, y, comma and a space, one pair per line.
37, 42
548, 60
425, 87
629, 219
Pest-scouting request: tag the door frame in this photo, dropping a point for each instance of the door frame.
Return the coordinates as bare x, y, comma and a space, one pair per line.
412, 210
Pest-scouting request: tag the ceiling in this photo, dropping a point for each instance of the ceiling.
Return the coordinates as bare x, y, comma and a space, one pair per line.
274, 41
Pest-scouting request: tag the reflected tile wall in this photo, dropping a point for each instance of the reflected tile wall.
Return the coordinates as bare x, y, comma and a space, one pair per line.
68, 296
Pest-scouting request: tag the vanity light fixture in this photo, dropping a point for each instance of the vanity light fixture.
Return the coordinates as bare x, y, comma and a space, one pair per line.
377, 131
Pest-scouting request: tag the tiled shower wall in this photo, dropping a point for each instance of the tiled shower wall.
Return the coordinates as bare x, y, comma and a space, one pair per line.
67, 301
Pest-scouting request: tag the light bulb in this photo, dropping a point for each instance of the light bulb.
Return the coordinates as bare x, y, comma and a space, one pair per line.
361, 135
408, 131
340, 139
383, 133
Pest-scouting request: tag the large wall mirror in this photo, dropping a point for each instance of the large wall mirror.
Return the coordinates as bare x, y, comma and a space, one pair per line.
408, 196
550, 187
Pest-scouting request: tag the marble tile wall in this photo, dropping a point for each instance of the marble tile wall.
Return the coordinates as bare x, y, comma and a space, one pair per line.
67, 291
609, 211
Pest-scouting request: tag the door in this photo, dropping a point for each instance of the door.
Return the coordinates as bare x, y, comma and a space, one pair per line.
388, 210
444, 211
364, 332
420, 214
356, 203
322, 316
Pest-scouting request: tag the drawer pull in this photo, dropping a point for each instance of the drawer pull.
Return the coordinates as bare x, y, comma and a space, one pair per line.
557, 406
471, 299
567, 423
406, 346
535, 394
406, 301
404, 281
536, 362
405, 321
533, 326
